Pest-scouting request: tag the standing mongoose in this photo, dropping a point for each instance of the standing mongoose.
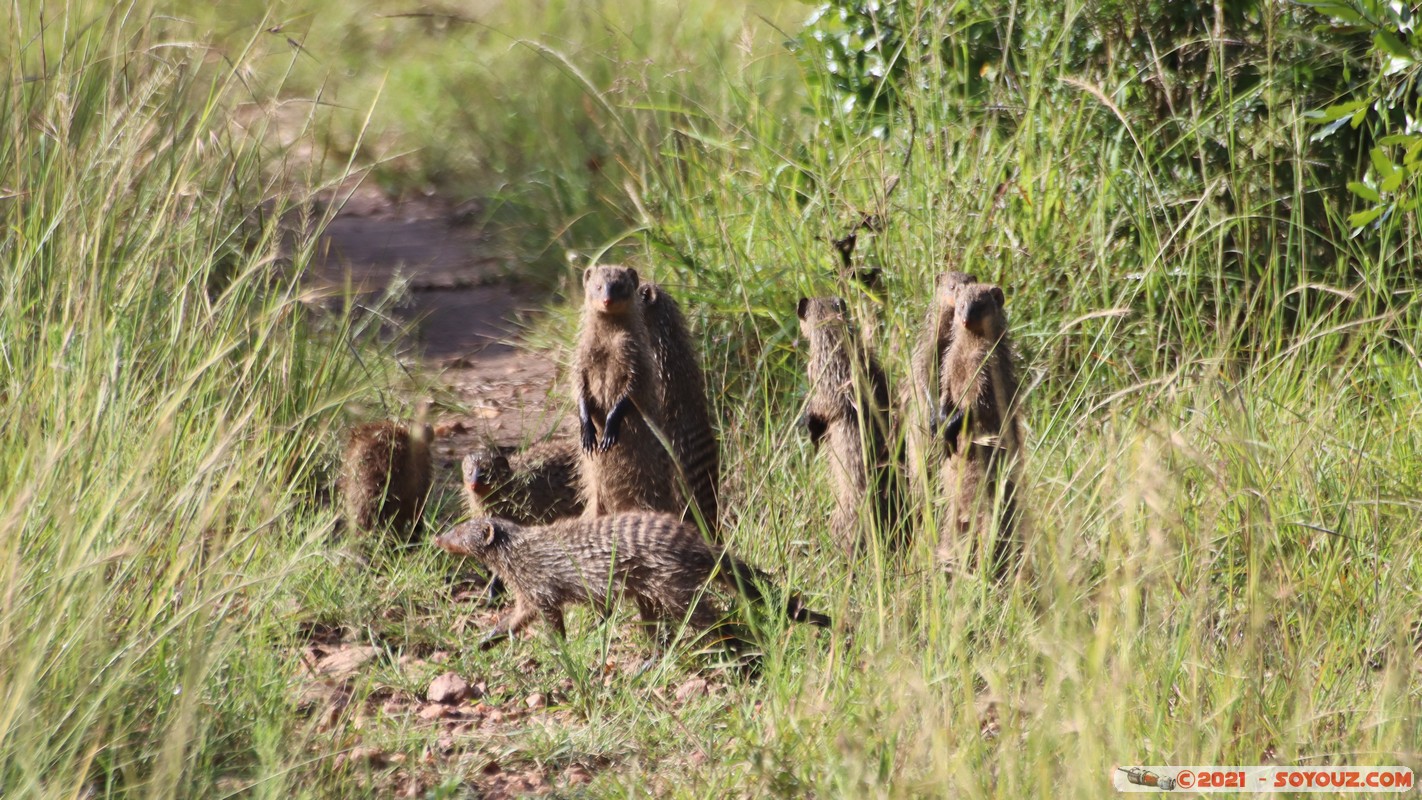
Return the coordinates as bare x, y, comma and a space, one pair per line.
681, 387
537, 485
849, 407
385, 475
920, 405
662, 562
982, 435
625, 466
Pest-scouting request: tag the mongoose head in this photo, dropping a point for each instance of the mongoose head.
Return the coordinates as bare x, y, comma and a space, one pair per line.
477, 537
422, 435
816, 313
979, 307
948, 283
485, 470
610, 290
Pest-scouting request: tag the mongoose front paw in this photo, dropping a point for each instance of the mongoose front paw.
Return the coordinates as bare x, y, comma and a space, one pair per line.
814, 427
609, 439
936, 419
494, 590
492, 638
589, 437
951, 428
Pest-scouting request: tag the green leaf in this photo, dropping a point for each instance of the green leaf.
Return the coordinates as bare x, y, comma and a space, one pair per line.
1391, 45
1393, 182
1334, 9
1339, 111
1381, 162
1364, 191
1395, 139
1358, 220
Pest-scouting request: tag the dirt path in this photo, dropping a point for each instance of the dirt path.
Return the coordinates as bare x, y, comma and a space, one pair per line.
464, 319
466, 312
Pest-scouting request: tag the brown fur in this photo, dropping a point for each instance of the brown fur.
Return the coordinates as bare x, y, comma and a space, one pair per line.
660, 561
681, 387
848, 406
538, 485
385, 476
625, 467
920, 400
979, 401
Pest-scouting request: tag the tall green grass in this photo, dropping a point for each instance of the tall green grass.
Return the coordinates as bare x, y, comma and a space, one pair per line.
167, 406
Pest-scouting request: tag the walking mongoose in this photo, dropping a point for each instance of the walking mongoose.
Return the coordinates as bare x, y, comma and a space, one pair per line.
625, 466
981, 431
848, 407
662, 562
681, 387
535, 486
920, 406
385, 476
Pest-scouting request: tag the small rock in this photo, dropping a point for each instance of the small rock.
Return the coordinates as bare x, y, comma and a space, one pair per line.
696, 687
445, 743
536, 700
449, 688
434, 711
346, 661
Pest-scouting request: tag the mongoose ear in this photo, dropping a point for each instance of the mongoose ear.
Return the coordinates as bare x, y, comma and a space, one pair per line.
802, 307
587, 275
648, 292
997, 295
635, 280
491, 532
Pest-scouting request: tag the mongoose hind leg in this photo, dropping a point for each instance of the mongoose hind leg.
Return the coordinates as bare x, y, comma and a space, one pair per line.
844, 529
653, 620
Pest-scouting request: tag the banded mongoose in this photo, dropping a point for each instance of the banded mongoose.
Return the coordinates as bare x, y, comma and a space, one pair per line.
532, 487
686, 412
921, 398
661, 562
385, 476
625, 466
848, 406
982, 434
